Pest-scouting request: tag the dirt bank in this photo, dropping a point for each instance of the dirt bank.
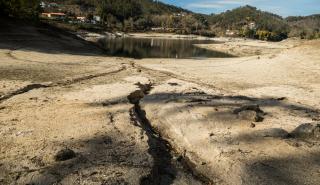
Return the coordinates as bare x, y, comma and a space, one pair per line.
69, 115
253, 146
247, 47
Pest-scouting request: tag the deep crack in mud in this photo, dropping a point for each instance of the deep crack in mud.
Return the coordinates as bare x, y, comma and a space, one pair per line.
34, 86
23, 90
165, 168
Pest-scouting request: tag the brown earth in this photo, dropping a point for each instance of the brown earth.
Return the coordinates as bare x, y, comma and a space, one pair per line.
70, 115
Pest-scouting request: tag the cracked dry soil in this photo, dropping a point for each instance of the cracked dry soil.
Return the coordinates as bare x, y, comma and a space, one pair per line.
123, 121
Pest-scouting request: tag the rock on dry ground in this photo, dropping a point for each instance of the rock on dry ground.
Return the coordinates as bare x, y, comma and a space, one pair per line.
242, 120
70, 115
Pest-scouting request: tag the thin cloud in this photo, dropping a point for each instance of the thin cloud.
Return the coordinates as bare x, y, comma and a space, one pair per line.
204, 5
216, 4
281, 7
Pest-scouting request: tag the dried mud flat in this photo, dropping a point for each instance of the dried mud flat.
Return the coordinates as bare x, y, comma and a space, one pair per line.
69, 115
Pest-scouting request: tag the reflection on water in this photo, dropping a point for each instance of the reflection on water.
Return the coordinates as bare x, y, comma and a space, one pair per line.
158, 48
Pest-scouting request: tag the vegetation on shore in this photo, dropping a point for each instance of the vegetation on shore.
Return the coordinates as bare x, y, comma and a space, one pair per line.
23, 9
149, 15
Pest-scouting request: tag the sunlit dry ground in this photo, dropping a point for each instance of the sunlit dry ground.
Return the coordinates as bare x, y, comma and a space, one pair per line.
227, 121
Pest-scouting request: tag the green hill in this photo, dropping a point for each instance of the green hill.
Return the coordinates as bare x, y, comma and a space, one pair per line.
24, 9
236, 18
273, 26
146, 15
136, 15
305, 27
157, 7
145, 6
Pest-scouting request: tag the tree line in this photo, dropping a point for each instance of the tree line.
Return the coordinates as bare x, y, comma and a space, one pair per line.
145, 15
24, 9
142, 15
267, 26
307, 27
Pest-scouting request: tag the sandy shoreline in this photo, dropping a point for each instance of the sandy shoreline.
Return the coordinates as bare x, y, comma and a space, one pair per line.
234, 46
157, 121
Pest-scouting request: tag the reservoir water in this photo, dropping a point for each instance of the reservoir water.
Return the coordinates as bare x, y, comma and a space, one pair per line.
139, 48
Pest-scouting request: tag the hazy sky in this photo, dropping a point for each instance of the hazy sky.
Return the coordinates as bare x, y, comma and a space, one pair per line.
280, 7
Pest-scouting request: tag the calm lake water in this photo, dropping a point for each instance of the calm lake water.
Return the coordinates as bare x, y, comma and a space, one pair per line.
158, 48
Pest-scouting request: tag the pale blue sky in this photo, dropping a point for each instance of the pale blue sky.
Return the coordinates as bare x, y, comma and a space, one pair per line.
280, 7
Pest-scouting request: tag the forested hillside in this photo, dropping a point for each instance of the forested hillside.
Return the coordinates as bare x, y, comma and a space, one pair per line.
147, 15
305, 27
264, 25
236, 18
137, 15
147, 6
27, 9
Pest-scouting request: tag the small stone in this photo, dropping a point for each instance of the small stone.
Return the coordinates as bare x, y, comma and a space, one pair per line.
250, 112
258, 118
65, 154
250, 115
211, 134
307, 130
252, 125
281, 99
297, 145
173, 83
